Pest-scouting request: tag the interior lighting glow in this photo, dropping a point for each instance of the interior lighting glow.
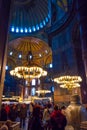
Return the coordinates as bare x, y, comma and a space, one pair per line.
46, 19
46, 51
67, 78
44, 23
68, 82
17, 30
33, 91
25, 30
33, 82
20, 56
70, 85
21, 30
28, 72
41, 25
12, 29
6, 67
51, 65
11, 53
30, 30
37, 27
34, 29
43, 91
40, 55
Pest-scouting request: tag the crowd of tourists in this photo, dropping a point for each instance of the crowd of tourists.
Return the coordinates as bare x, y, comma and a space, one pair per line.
41, 116
46, 116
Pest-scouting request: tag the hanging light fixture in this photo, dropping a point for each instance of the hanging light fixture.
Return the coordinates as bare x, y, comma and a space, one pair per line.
67, 78
28, 72
70, 85
35, 54
68, 81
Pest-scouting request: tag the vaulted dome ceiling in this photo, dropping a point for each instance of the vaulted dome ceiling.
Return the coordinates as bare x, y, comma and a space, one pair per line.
42, 53
29, 16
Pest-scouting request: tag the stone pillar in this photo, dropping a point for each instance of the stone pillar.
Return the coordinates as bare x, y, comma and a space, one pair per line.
22, 93
4, 18
82, 16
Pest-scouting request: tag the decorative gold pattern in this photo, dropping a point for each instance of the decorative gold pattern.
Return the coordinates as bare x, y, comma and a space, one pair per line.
42, 53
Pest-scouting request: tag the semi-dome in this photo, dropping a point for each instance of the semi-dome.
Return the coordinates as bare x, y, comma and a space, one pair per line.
19, 48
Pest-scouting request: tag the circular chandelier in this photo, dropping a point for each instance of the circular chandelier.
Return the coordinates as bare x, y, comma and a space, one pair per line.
68, 82
28, 72
70, 85
30, 56
65, 79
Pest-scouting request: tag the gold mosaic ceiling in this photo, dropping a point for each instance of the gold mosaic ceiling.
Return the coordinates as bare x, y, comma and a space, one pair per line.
42, 53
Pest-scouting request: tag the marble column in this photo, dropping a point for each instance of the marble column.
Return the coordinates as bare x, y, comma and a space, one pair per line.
82, 17
4, 21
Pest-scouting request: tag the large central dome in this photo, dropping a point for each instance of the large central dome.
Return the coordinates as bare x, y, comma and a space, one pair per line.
29, 16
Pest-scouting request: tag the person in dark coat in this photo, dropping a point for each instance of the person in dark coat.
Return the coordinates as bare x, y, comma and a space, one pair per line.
3, 116
35, 123
23, 115
58, 120
12, 113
